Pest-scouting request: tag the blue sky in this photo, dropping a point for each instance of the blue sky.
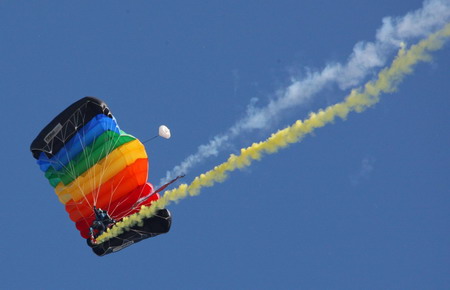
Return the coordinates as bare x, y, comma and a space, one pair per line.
360, 204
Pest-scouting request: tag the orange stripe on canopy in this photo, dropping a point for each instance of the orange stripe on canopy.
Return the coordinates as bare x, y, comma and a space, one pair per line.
118, 186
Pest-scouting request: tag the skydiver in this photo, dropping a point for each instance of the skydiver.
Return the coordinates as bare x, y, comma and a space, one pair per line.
101, 223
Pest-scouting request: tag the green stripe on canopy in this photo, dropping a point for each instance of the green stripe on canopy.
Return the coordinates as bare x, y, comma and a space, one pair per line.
99, 149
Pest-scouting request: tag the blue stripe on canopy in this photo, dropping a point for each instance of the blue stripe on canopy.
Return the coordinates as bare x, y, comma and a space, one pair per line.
84, 137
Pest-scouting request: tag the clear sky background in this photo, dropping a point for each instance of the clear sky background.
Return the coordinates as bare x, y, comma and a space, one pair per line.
360, 204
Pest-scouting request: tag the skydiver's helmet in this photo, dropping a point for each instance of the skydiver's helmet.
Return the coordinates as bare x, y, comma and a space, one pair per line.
100, 214
97, 213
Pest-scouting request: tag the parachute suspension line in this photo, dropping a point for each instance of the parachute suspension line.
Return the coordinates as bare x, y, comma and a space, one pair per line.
88, 161
108, 151
70, 168
123, 214
84, 153
113, 191
133, 207
95, 186
86, 156
98, 179
112, 211
148, 140
105, 164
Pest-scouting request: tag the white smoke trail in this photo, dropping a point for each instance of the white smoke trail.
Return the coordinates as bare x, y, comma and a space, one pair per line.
366, 57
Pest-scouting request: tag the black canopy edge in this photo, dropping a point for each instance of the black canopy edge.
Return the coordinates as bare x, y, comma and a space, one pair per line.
51, 139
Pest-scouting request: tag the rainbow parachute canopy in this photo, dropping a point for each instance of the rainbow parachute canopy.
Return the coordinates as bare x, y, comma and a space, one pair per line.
92, 164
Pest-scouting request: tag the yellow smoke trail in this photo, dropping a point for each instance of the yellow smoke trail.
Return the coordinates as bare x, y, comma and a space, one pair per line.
358, 100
